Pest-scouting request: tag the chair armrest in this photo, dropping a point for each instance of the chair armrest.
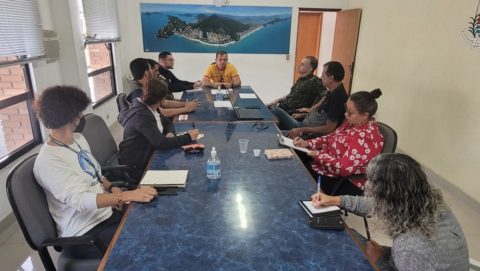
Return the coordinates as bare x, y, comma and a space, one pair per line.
72, 241
115, 167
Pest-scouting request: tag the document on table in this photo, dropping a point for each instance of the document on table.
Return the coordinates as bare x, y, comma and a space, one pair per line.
247, 96
215, 91
307, 205
289, 143
226, 104
165, 178
194, 90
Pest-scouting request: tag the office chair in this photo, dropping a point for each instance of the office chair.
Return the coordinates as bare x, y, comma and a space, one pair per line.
122, 102
105, 151
29, 205
389, 146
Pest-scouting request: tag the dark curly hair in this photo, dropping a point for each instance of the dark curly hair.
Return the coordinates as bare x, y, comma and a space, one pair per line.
59, 105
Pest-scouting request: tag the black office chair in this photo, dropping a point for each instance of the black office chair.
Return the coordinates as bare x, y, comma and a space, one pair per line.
122, 102
29, 205
389, 146
105, 150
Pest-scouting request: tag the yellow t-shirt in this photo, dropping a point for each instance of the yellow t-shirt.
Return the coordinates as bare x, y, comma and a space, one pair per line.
217, 76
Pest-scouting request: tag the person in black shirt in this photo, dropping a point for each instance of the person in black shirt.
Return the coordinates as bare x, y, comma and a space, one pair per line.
166, 61
326, 115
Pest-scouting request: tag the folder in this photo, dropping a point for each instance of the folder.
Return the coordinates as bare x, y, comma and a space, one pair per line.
165, 178
248, 114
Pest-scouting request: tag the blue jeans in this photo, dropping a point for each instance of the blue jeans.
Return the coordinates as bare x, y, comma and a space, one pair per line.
285, 121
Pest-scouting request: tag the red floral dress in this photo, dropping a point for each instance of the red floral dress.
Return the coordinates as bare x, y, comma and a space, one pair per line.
347, 150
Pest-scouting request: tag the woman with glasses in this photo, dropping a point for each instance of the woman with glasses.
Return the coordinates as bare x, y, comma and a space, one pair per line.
349, 148
426, 235
79, 199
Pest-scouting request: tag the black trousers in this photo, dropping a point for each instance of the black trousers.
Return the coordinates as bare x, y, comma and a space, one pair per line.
103, 232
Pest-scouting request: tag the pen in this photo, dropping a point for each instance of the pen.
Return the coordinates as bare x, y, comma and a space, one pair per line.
193, 125
319, 182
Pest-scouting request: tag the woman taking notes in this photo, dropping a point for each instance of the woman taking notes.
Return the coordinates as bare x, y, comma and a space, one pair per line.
350, 147
426, 235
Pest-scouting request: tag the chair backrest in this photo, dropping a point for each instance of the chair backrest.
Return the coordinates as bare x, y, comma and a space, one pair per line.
122, 102
29, 204
389, 138
102, 144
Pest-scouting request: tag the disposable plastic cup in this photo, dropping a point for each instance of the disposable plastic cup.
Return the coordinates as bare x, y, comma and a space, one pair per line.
256, 152
243, 143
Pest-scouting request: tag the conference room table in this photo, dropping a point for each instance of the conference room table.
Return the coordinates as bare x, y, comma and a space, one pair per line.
249, 219
208, 112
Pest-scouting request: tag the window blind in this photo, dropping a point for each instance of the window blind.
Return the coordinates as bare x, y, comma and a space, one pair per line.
101, 20
20, 30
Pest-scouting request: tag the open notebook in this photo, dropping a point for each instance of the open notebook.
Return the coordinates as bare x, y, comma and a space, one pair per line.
165, 178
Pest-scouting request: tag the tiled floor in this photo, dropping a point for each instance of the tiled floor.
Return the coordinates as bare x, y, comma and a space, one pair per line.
15, 254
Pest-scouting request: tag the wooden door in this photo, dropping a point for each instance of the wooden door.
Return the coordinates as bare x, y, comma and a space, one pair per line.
347, 26
308, 37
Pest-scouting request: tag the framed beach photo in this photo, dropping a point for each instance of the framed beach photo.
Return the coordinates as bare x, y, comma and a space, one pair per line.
207, 29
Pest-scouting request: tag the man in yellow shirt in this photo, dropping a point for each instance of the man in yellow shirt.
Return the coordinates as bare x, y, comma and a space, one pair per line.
221, 73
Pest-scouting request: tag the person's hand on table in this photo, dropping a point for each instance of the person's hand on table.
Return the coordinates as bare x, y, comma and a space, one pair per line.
295, 132
142, 194
193, 134
313, 153
320, 199
169, 135
374, 250
303, 110
297, 141
227, 85
192, 105
197, 84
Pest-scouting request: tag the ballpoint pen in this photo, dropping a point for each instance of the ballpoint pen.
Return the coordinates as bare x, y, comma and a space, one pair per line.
319, 182
193, 125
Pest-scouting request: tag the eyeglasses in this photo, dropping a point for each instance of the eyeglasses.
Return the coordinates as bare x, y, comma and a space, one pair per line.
346, 110
170, 59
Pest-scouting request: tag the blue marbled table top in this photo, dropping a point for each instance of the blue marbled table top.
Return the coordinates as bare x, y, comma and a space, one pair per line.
247, 220
208, 112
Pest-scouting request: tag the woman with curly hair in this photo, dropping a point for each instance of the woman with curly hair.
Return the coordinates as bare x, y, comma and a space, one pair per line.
79, 199
426, 235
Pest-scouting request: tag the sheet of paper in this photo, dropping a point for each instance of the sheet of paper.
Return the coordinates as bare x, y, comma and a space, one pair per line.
215, 91
194, 90
313, 210
164, 177
289, 143
177, 95
247, 96
183, 117
226, 104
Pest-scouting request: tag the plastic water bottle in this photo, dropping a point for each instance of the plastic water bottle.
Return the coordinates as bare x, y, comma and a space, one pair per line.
213, 166
219, 95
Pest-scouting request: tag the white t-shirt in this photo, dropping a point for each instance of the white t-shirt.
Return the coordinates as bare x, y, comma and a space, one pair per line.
71, 187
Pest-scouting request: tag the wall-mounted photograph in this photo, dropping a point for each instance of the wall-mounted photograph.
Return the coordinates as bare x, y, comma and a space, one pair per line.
207, 29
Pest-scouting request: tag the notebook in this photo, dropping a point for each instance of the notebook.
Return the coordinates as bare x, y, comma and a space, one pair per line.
322, 211
165, 178
248, 114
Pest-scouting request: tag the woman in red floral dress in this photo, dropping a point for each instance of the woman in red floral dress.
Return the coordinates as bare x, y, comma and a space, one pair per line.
350, 147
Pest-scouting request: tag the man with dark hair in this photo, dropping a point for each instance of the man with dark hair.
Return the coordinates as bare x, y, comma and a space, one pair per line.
304, 93
221, 73
142, 71
326, 115
166, 61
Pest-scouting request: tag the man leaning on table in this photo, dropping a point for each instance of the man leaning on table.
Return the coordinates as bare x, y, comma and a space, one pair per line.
221, 73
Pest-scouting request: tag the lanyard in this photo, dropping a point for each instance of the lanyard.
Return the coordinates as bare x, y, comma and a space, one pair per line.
85, 157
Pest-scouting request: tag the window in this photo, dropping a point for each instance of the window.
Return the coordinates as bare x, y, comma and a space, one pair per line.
19, 128
99, 23
21, 43
101, 74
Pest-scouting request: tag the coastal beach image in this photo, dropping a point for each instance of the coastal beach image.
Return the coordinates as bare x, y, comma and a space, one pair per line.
207, 29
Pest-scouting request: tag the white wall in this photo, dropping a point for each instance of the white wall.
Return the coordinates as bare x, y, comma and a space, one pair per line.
414, 51
270, 75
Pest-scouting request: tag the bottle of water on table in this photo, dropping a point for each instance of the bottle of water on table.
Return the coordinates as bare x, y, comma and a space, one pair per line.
213, 166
